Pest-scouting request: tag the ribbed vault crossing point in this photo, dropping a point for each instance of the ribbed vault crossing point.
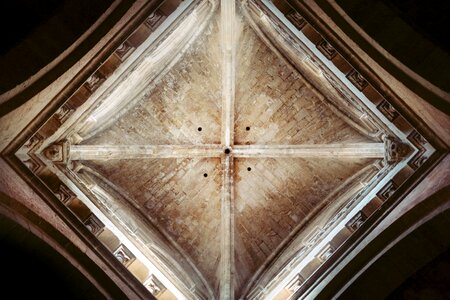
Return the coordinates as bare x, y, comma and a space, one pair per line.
213, 149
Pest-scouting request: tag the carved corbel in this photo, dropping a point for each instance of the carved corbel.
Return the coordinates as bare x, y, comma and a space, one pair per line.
154, 285
63, 113
57, 152
32, 164
33, 142
93, 224
124, 255
64, 194
395, 150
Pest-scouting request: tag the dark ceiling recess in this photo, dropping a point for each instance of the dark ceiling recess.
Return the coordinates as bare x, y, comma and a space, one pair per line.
20, 17
33, 270
430, 282
36, 32
398, 24
431, 18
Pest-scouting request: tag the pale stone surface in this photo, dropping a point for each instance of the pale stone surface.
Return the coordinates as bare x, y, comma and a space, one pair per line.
108, 152
228, 213
277, 195
193, 200
187, 98
13, 186
277, 103
363, 150
175, 195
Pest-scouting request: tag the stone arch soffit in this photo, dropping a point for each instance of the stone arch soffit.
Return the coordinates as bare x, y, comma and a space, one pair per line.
425, 88
172, 257
37, 228
434, 212
336, 205
330, 89
135, 80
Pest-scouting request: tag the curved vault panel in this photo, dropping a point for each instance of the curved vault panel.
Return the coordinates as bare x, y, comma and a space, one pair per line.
226, 150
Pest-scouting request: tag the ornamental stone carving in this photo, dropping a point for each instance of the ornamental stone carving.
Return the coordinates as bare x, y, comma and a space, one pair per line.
58, 152
388, 110
63, 113
296, 19
327, 49
356, 221
357, 80
420, 143
31, 164
395, 150
124, 50
64, 194
93, 224
33, 142
124, 255
326, 253
154, 285
387, 191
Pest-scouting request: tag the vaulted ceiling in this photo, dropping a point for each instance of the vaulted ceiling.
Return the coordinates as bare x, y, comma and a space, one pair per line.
229, 148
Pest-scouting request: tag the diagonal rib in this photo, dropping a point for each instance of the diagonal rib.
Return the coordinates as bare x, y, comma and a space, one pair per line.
228, 19
228, 14
108, 152
227, 230
360, 150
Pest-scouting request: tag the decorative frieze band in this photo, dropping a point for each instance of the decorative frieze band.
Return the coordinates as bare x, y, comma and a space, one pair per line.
357, 79
296, 19
93, 224
326, 49
387, 190
356, 221
155, 19
124, 255
419, 142
388, 110
64, 194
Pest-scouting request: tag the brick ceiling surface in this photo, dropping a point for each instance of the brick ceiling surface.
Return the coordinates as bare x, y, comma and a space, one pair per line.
224, 164
272, 199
